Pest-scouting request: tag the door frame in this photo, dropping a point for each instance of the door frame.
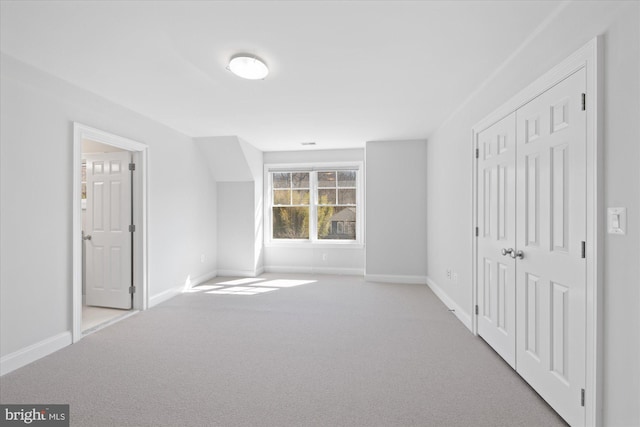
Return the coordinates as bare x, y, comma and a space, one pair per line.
139, 153
589, 58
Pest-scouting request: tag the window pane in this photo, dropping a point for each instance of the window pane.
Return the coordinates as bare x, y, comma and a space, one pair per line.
281, 180
326, 179
347, 197
291, 223
326, 197
300, 197
337, 223
300, 180
346, 178
281, 197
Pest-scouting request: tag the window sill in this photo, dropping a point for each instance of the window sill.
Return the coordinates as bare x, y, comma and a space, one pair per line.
314, 245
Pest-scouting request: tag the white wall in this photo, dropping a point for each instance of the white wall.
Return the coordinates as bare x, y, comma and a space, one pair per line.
225, 157
449, 181
234, 161
236, 237
37, 112
255, 162
396, 209
318, 259
89, 146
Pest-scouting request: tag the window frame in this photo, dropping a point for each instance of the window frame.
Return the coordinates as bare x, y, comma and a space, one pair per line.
313, 240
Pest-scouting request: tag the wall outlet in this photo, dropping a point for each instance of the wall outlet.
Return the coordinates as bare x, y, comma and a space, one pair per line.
202, 258
449, 273
454, 277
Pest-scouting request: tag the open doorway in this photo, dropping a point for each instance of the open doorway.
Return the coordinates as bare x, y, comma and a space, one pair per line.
109, 267
107, 242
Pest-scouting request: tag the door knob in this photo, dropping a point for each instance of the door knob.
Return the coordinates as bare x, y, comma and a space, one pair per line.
517, 254
506, 252
86, 236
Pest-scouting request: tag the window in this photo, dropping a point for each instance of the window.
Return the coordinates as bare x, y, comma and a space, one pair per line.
313, 205
291, 193
337, 204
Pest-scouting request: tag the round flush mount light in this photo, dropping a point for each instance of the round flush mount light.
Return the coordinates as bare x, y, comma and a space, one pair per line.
248, 67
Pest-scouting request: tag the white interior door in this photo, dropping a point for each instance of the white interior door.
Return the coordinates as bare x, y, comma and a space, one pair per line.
108, 252
497, 235
551, 276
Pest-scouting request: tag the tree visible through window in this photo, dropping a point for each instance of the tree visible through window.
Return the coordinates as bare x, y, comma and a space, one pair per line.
324, 202
337, 205
291, 195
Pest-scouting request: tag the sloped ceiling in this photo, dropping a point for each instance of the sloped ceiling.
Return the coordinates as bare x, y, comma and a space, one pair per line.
342, 73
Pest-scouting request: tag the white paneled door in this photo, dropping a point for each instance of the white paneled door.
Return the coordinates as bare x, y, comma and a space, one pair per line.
108, 240
497, 237
551, 276
531, 292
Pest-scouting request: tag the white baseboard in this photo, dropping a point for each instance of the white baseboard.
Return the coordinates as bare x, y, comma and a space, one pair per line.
36, 351
460, 313
165, 296
241, 273
387, 278
170, 293
201, 279
314, 270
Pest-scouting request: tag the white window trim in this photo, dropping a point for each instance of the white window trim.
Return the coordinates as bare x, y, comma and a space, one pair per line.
313, 241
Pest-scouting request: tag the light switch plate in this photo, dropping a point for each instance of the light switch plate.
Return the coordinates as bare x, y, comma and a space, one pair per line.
617, 220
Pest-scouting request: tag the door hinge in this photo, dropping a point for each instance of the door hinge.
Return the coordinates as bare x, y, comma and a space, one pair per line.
477, 231
582, 397
584, 102
476, 309
132, 228
583, 249
132, 166
132, 289
477, 153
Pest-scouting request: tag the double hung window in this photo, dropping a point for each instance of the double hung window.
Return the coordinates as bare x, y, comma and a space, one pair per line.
314, 205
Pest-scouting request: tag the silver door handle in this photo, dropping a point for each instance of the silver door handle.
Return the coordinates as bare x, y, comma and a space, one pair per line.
517, 254
506, 252
86, 237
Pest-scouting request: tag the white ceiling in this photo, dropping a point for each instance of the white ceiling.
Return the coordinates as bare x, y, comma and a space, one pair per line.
342, 73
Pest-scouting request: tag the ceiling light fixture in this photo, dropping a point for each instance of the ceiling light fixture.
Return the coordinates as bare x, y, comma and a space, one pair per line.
308, 143
248, 67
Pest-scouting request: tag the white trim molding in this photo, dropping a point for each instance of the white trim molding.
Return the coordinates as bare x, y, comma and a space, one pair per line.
400, 279
589, 58
29, 354
457, 310
241, 273
177, 290
165, 295
315, 270
140, 207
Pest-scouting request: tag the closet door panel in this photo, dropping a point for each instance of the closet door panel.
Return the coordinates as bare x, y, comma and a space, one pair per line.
496, 211
551, 276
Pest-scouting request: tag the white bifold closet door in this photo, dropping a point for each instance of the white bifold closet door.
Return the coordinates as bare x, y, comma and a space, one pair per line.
497, 232
532, 299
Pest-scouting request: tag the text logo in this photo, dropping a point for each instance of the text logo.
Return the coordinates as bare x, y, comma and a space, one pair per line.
34, 415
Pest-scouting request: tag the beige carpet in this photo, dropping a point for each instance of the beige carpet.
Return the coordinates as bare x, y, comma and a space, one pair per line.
285, 351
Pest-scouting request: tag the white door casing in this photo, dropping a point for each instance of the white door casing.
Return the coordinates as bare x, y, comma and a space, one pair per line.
108, 252
496, 232
551, 278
